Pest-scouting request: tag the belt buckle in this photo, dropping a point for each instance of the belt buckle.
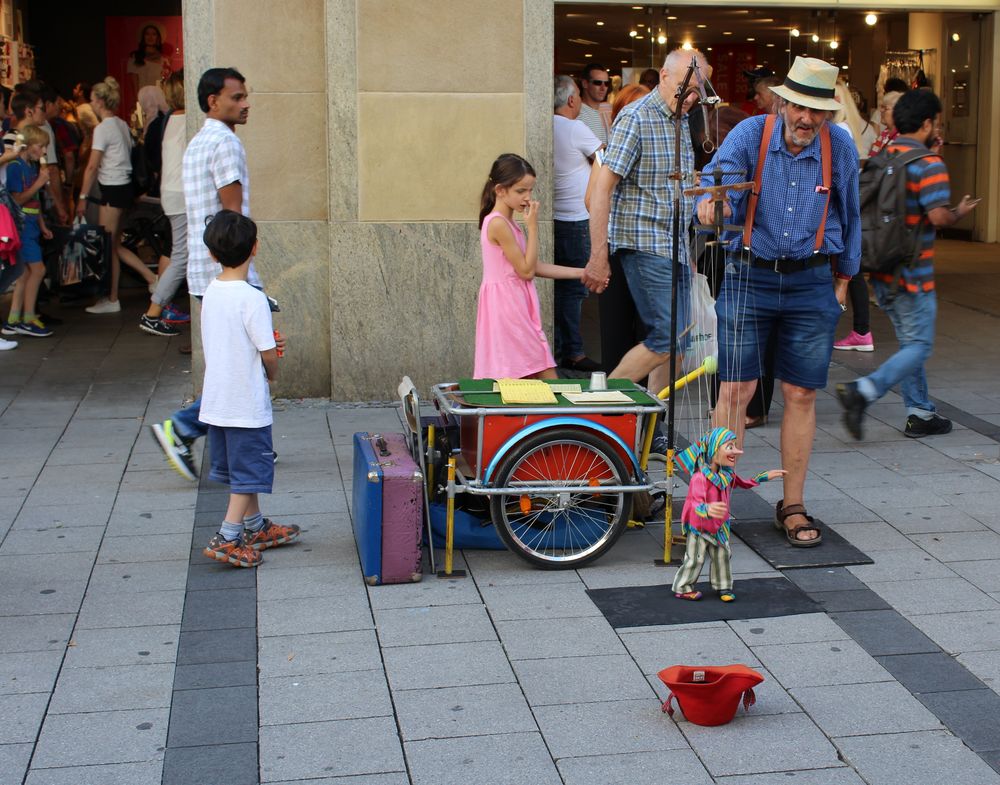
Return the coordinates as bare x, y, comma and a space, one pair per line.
776, 261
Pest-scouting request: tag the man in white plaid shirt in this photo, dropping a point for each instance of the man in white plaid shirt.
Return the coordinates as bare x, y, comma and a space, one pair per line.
215, 178
632, 209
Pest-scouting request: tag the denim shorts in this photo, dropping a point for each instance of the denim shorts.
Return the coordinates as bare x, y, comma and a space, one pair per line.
30, 251
242, 458
801, 307
649, 277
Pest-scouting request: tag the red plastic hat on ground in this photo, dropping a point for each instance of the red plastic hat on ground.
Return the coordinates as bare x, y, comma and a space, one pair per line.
710, 694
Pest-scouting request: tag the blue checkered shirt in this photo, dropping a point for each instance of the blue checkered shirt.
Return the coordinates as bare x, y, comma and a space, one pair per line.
790, 208
641, 152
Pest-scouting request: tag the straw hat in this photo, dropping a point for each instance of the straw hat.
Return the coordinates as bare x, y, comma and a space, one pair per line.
810, 82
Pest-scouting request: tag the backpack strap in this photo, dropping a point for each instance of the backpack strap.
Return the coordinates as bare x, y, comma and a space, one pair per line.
826, 162
765, 141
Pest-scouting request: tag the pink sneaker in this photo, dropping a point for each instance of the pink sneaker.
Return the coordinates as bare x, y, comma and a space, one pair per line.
855, 342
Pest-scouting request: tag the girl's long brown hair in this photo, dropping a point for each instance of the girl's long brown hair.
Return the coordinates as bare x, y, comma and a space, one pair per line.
506, 170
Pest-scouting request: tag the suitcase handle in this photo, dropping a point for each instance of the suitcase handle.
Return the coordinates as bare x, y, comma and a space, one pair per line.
383, 448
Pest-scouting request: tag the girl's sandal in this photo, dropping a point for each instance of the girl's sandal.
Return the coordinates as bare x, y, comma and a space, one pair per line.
727, 596
792, 535
688, 595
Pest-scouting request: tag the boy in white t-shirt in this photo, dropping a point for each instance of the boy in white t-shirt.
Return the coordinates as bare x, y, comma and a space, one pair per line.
241, 356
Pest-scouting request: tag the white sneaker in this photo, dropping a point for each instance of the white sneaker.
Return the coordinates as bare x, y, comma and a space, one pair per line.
6, 346
104, 305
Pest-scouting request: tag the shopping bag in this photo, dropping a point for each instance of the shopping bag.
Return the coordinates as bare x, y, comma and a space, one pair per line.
703, 338
83, 256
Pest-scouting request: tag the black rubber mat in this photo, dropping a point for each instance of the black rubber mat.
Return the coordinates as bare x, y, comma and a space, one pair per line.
772, 546
756, 598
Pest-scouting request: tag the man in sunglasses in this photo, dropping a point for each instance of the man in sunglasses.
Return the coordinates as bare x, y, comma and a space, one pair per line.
596, 111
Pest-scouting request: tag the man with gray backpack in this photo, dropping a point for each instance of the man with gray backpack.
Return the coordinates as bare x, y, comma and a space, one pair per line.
904, 200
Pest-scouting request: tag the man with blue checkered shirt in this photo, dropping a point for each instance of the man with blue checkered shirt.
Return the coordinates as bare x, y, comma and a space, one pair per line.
788, 271
632, 211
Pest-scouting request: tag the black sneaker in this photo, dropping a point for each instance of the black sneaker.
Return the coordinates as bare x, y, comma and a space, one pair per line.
157, 327
854, 404
584, 364
658, 449
176, 448
917, 427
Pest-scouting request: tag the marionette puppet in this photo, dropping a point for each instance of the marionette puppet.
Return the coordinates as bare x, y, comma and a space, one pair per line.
705, 519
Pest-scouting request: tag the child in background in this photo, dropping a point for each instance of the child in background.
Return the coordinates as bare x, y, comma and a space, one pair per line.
705, 518
24, 181
241, 356
510, 342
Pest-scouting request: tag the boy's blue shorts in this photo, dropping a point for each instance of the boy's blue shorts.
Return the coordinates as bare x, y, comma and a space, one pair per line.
242, 458
30, 251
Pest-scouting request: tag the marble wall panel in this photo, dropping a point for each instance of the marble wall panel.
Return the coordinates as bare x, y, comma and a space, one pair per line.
539, 33
342, 108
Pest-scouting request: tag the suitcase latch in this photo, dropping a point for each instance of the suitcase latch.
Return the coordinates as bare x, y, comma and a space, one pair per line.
373, 476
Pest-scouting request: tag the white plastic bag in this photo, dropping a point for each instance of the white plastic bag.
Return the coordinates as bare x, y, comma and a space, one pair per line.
702, 340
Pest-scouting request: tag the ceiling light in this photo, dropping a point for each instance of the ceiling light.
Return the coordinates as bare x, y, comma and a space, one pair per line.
624, 61
789, 51
583, 41
956, 37
702, 27
588, 55
632, 33
751, 39
834, 44
871, 20
844, 67
672, 18
815, 38
687, 46
637, 8
794, 32
639, 37
600, 24
640, 25
770, 46
661, 39
727, 32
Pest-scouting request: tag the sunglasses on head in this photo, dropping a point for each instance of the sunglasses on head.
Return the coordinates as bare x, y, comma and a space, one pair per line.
605, 82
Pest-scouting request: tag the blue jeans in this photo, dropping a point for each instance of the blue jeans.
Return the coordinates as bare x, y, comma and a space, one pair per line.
186, 421
649, 280
912, 315
572, 249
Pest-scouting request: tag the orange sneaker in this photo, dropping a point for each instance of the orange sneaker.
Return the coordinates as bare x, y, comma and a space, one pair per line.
235, 552
271, 535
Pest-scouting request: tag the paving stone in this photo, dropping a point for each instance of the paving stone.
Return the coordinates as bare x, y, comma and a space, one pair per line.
446, 665
35, 633
130, 523
503, 568
864, 709
543, 638
638, 768
884, 632
984, 574
70, 539
101, 737
25, 672
507, 759
854, 600
960, 546
820, 664
972, 715
654, 651
922, 756
149, 773
14, 762
293, 582
559, 601
222, 609
900, 565
842, 776
824, 579
324, 749
122, 646
446, 624
122, 687
804, 628
447, 712
204, 646
326, 696
963, 631
43, 596
233, 764
607, 728
397, 778
127, 579
103, 611
430, 591
746, 745
22, 716
935, 595
346, 611
210, 575
215, 674
580, 680
222, 715
872, 536
916, 520
331, 652
150, 547
937, 672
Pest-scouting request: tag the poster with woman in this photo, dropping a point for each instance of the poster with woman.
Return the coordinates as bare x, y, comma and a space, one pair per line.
141, 50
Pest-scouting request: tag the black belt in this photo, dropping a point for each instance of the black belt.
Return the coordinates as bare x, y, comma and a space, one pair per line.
786, 266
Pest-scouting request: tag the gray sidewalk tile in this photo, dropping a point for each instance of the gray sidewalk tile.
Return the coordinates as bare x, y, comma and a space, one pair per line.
917, 520
199, 647
429, 591
864, 709
301, 502
136, 578
330, 652
397, 778
581, 680
985, 665
747, 744
22, 716
503, 568
204, 574
900, 565
608, 728
25, 672
222, 609
35, 633
122, 646
101, 737
559, 601
669, 767
843, 776
960, 546
151, 547
508, 759
805, 628
325, 696
938, 672
984, 574
44, 596
105, 611
111, 774
935, 595
446, 665
908, 758
543, 638
851, 600
14, 762
824, 579
128, 523
218, 715
884, 632
281, 582
448, 712
445, 624
346, 611
654, 651
963, 631
972, 715
820, 664
66, 516
329, 749
872, 536
70, 539
115, 688
233, 764
215, 674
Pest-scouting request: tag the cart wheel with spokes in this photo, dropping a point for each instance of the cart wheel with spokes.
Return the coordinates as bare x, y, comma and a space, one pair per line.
576, 524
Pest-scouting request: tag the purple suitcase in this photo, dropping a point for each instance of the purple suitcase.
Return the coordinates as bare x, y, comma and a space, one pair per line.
388, 508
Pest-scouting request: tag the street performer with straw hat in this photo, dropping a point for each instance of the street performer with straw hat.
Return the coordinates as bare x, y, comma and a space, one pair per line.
787, 271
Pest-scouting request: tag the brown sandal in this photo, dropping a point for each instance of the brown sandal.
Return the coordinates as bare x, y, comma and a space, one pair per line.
792, 535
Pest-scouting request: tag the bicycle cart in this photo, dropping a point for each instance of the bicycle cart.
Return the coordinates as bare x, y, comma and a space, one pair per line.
559, 478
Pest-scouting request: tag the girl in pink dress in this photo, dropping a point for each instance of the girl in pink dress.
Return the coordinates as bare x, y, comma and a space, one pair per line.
510, 342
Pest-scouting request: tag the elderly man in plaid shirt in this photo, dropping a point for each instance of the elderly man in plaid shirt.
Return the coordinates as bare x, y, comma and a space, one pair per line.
632, 210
